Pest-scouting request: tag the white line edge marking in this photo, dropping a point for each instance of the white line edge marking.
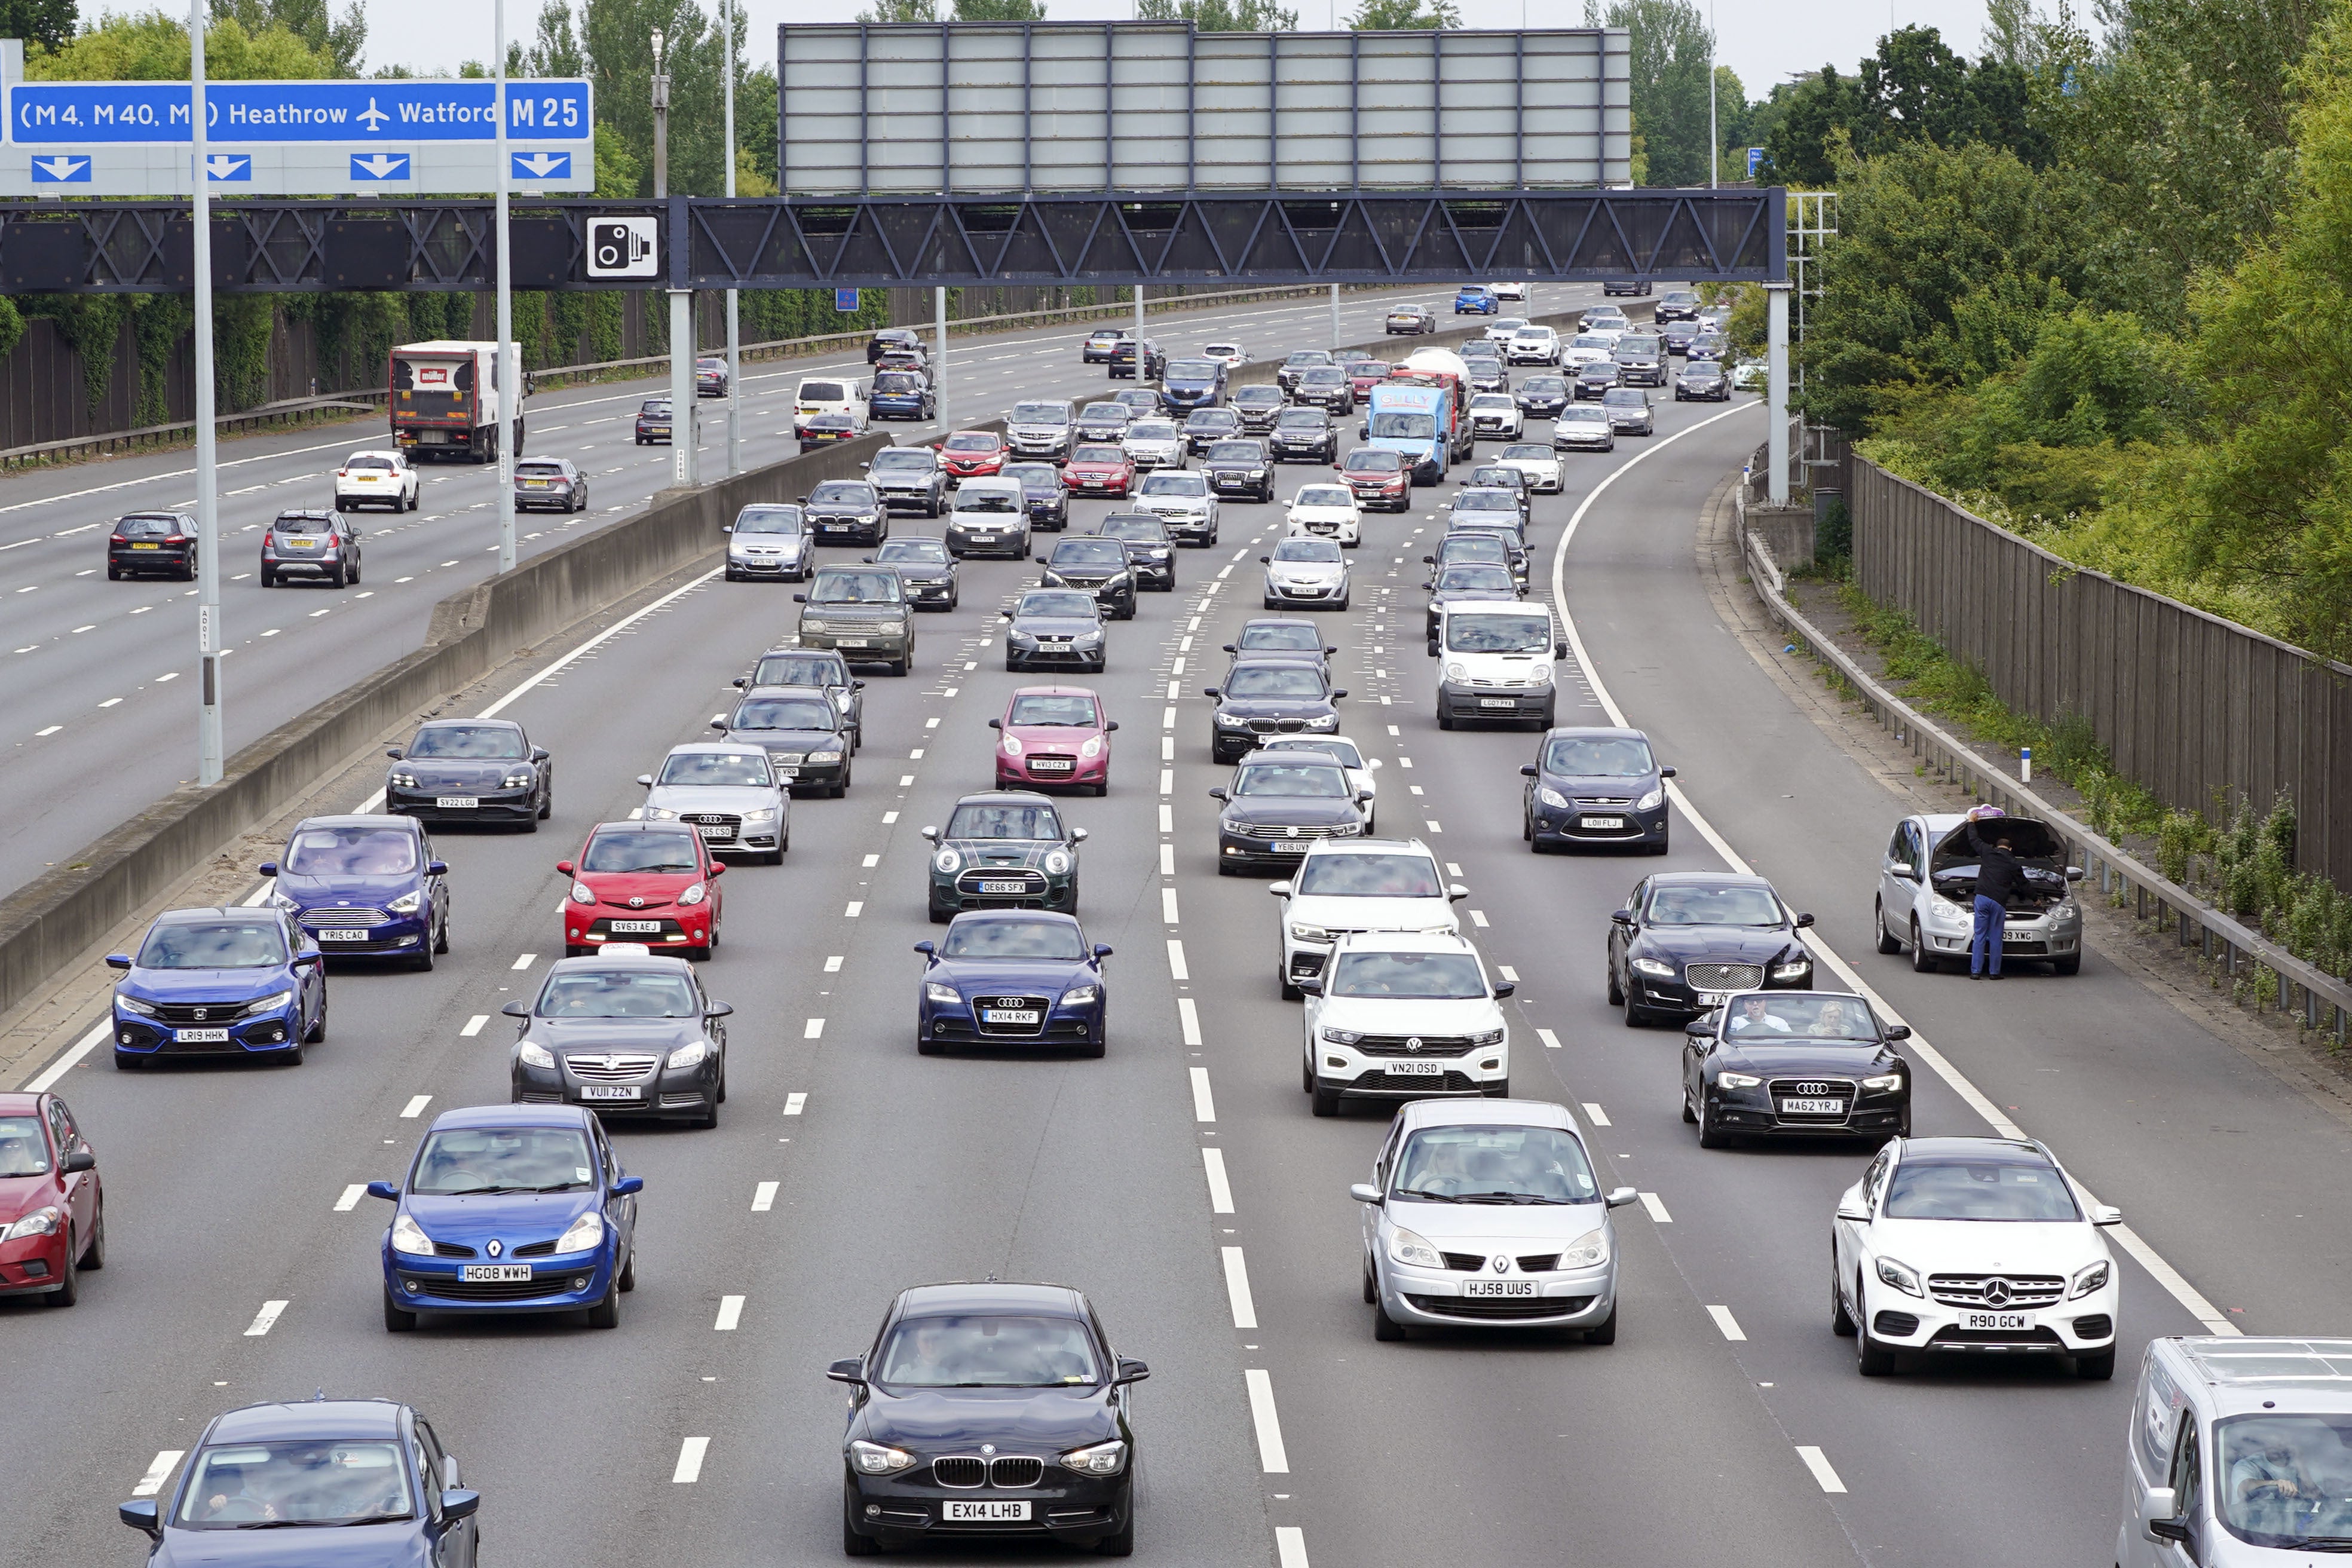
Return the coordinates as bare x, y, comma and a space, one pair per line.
159, 1472
1271, 1455
495, 708
690, 1460
730, 1312
265, 1320
1237, 1288
1819, 1463
1290, 1546
48, 1077
1726, 1323
2214, 1320
1204, 1103
1220, 1192
1657, 1210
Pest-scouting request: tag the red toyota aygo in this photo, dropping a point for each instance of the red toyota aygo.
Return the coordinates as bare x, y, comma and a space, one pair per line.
650, 882
1054, 735
51, 1209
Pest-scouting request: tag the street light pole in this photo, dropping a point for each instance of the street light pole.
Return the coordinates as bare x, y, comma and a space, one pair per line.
505, 377
734, 326
1714, 137
684, 438
210, 759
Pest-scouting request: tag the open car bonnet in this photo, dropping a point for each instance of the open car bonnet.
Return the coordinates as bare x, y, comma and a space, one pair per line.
1953, 863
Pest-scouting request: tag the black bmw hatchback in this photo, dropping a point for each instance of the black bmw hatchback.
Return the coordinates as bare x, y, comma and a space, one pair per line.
996, 1410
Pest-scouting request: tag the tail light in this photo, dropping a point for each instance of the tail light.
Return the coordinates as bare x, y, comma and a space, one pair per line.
117, 539
177, 539
270, 540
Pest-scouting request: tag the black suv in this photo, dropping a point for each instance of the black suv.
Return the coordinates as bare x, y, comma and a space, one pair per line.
1240, 468
1122, 360
1041, 491
1097, 564
1260, 406
1329, 387
1151, 551
1306, 435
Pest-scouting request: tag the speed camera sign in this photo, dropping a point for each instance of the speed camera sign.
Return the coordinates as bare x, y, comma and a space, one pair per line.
623, 248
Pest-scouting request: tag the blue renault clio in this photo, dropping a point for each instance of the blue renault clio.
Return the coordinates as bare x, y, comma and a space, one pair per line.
510, 1209
364, 887
221, 982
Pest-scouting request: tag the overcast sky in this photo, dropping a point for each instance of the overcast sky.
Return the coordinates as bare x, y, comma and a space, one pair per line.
1764, 40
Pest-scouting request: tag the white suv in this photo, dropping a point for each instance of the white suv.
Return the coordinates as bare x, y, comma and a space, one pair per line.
1344, 887
1395, 1017
376, 479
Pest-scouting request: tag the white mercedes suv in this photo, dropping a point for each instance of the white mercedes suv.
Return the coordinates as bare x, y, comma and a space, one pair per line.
1345, 886
1395, 1017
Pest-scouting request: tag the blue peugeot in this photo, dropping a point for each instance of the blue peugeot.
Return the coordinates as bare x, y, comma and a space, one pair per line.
510, 1209
1012, 977
364, 887
363, 1482
222, 983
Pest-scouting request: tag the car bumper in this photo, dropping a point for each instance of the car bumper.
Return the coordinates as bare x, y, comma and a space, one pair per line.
1753, 1114
955, 1025
864, 646
666, 1091
1157, 575
1010, 543
1015, 773
950, 894
500, 805
1489, 430
896, 408
907, 501
33, 1265
1433, 1297
557, 1284
1397, 498
1262, 854
849, 530
591, 925
2023, 941
976, 472
1187, 527
929, 595
174, 559
392, 496
1031, 658
1664, 994
1302, 595
556, 497
1568, 825
401, 936
783, 568
263, 1035
1064, 1506
303, 565
1098, 485
1344, 1071
2064, 1328
1495, 701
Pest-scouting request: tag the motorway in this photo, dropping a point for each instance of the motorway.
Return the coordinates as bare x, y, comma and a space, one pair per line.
1181, 1180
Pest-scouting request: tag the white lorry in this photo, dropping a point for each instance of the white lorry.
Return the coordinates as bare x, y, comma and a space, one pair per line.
448, 400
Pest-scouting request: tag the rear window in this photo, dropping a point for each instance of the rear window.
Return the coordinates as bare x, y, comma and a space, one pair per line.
898, 381
974, 441
824, 392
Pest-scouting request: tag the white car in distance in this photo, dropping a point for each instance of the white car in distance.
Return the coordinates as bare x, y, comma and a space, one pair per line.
1508, 290
1538, 461
1532, 345
1503, 329
376, 479
1395, 1017
829, 395
1155, 444
1351, 759
1230, 355
1345, 886
1592, 348
1496, 417
1327, 512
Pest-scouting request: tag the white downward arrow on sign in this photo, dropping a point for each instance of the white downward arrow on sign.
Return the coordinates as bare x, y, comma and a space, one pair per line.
222, 167
60, 168
379, 165
540, 162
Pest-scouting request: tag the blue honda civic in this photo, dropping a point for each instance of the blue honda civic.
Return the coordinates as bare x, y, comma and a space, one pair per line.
1012, 977
510, 1209
222, 983
364, 887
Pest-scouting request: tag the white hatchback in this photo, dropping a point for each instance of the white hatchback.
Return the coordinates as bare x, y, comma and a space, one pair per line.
1592, 348
1327, 512
376, 479
1395, 1017
1230, 355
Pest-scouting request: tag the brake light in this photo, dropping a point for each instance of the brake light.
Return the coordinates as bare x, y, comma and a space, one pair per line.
270, 540
117, 539
177, 539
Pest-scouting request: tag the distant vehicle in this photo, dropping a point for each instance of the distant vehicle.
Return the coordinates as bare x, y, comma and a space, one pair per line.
1415, 422
1615, 286
1509, 289
863, 611
769, 540
892, 340
1286, 373
1054, 735
1677, 305
377, 479
1750, 375
654, 422
1122, 360
818, 430
147, 541
1476, 298
550, 484
902, 394
321, 544
1704, 380
829, 395
1044, 428
1411, 320
1101, 344
1186, 384
710, 376
1231, 355
933, 576
972, 454
447, 399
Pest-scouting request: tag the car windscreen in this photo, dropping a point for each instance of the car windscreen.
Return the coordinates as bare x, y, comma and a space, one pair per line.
1309, 357
1056, 607
1498, 634
716, 770
1052, 709
912, 552
460, 1159
1114, 456
1229, 453
1533, 452
1701, 370
2285, 1481
1625, 397
1344, 753
1680, 904
797, 670
1275, 681
1425, 976
1032, 476
1358, 875
618, 993
1039, 414
1648, 346
1508, 481
783, 713
976, 502
1258, 397
23, 1150
1176, 484
1152, 430
1771, 1015
1499, 401
1104, 412
350, 852
1494, 1165
1583, 414
1936, 1186
972, 441
1302, 419
652, 853
1190, 370
837, 587
1212, 421
1088, 552
1544, 386
214, 944
1281, 635
1323, 375
655, 406
1004, 819
322, 1481
843, 493
1138, 526
1600, 756
469, 742
1375, 460
1402, 426
1600, 370
1013, 939
769, 520
1291, 781
1338, 496
1478, 578
1323, 551
824, 392
988, 1350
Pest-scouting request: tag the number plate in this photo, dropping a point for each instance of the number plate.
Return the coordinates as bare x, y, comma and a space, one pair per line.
608, 1091
535, 484
457, 802
852, 642
1709, 999
788, 774
303, 543
494, 1273
1602, 821
1812, 1108
1004, 886
1291, 845
1523, 1287
1416, 1069
1050, 765
146, 547
201, 1037
983, 1510
635, 926
1997, 1321
343, 934
1008, 1016
716, 830
1498, 702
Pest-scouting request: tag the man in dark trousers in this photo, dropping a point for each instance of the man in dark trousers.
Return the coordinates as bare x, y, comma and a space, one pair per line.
2000, 877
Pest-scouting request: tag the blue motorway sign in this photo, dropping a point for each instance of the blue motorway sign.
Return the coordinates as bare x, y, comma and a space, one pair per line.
61, 169
370, 167
83, 114
1755, 161
845, 301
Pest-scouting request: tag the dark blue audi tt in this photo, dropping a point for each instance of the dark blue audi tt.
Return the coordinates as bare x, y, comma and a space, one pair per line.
1012, 977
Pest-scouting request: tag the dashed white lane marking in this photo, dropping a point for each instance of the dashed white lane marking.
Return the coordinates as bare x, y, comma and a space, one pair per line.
856, 906
1432, 824
763, 1197
1167, 817
1166, 748
1657, 1210
1819, 1463
795, 1103
264, 1320
1594, 1114
111, 702
1726, 1323
351, 1198
814, 1030
1204, 1103
415, 1107
690, 1460
1168, 859
474, 1025
1176, 967
1508, 973
1168, 906
730, 1312
873, 860
158, 1472
50, 731
1220, 1192
1189, 1017
905, 781
1290, 1546
833, 964
1550, 1040
526, 960
1272, 1458
1478, 919
1237, 1290
1167, 781
889, 817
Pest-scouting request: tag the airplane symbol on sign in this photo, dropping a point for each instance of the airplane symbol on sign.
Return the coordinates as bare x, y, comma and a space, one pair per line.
60, 170
379, 165
229, 166
372, 116
542, 165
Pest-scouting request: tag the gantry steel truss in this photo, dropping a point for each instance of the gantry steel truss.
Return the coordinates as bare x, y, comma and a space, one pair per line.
293, 247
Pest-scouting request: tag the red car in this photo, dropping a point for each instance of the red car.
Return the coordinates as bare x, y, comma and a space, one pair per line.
651, 882
1366, 373
51, 1209
1379, 477
972, 454
1100, 470
1054, 735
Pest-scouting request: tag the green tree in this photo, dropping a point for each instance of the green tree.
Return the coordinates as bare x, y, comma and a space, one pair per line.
1405, 15
1000, 10
342, 39
1816, 118
1222, 16
901, 11
154, 48
613, 35
1670, 46
554, 50
48, 23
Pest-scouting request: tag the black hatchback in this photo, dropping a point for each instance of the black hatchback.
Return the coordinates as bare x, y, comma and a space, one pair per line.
989, 1410
147, 541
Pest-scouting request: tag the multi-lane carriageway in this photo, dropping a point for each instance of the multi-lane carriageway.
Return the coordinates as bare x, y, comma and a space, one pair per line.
1181, 1180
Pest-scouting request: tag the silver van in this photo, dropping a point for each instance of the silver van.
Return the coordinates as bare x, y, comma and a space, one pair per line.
2240, 1453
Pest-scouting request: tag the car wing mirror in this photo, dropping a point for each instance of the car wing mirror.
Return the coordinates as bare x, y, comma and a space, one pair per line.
2105, 1214
459, 1503
1218, 793
1619, 1197
81, 1159
1529, 771
720, 1010
800, 598
1700, 1028
926, 949
1079, 836
1312, 986
1265, 560
437, 868
740, 681
1506, 989
1339, 694
1363, 797
1854, 1209
1560, 651
849, 1369
1109, 727
307, 955
139, 1513
719, 721
1903, 873
1665, 773
996, 723
564, 866
717, 869
1365, 1193
517, 1009
1621, 917
931, 833
1210, 692
1131, 1371
646, 780
2073, 873
1803, 922
1228, 648
539, 753
2158, 1505
627, 1187
268, 868
1374, 762
394, 752
388, 1191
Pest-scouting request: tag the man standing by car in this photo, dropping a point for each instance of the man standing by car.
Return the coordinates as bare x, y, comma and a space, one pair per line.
2000, 877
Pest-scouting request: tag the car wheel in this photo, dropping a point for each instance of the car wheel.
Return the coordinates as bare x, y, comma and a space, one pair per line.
1637, 1016
1324, 1102
1887, 941
114, 575
424, 959
1922, 961
1869, 1358
268, 578
1840, 1320
1689, 1116
1385, 1329
396, 1319
1710, 1136
1616, 995
68, 1290
94, 1255
1605, 1332
2073, 965
342, 576
606, 1313
2097, 1368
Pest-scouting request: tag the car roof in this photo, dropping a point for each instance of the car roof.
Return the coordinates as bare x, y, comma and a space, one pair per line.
307, 1418
16, 1104
471, 724
1406, 941
606, 958
1385, 846
1003, 797
515, 1115
1420, 1114
726, 748
992, 1295
2008, 1151
1055, 691
1707, 880
212, 912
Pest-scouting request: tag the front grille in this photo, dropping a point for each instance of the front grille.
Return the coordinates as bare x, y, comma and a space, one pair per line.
2024, 1289
339, 919
1841, 1090
1277, 726
1539, 1263
960, 1472
2099, 1326
1464, 1262
727, 820
1494, 1307
1603, 800
1040, 1006
450, 1287
1263, 831
1724, 976
1996, 1339
610, 1068
1422, 1045
1894, 1325
451, 1250
536, 1249
639, 907
1447, 1083
198, 1012
1015, 1470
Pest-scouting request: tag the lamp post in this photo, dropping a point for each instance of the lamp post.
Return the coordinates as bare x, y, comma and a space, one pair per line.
506, 377
734, 331
209, 756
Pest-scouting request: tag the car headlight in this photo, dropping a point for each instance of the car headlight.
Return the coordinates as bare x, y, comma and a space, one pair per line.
1413, 1249
947, 860
279, 901
1020, 638
40, 1221
694, 895
521, 778
690, 1055
1552, 796
531, 1054
581, 1234
1324, 721
1900, 1276
582, 893
945, 996
1343, 1037
831, 754
1539, 676
407, 903
403, 779
1012, 745
1652, 966
761, 814
1051, 579
659, 814
1057, 862
1080, 996
1101, 1460
269, 1004
1585, 1252
1093, 748
1652, 801
133, 1004
1230, 720
1488, 1037
874, 1459
1457, 672
1884, 1082
1737, 1080
408, 1237
1086, 639
1301, 931
1795, 969
809, 626
2089, 1279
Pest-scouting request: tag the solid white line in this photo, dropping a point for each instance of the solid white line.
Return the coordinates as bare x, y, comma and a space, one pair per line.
1594, 1114
1190, 1018
1237, 1290
1220, 1192
616, 629
1270, 1454
474, 1025
415, 1107
814, 1030
763, 1197
730, 1312
1550, 1040
48, 1077
265, 1319
1290, 1546
1815, 1460
690, 1460
1657, 1210
1176, 969
525, 962
1726, 1323
795, 1103
2178, 1287
1204, 1104
1168, 906
351, 1198
158, 1472
259, 895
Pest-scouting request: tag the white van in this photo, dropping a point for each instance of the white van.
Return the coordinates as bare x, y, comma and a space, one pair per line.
829, 395
1498, 656
2240, 1453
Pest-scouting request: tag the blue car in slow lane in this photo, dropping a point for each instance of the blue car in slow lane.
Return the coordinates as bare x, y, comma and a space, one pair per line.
219, 983
364, 887
1476, 300
1012, 977
510, 1209
362, 1483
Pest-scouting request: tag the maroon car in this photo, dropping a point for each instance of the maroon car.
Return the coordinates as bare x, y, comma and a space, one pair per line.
51, 1209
